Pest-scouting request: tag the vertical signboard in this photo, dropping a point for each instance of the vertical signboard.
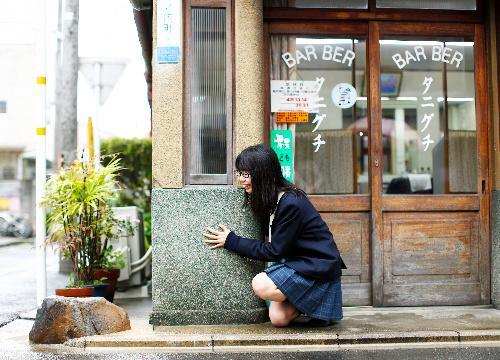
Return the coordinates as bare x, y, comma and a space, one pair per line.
168, 31
282, 144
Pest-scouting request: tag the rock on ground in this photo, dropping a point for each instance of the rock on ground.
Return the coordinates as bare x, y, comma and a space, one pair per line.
63, 318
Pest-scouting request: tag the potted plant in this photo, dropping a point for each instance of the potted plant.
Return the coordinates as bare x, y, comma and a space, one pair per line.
108, 268
99, 287
80, 219
75, 288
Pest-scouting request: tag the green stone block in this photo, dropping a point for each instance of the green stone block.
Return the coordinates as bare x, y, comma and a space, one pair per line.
191, 283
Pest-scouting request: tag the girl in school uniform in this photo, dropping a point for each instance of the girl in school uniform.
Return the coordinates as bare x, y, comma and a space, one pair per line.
305, 278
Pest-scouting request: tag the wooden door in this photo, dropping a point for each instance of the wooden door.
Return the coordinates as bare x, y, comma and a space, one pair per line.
430, 240
401, 247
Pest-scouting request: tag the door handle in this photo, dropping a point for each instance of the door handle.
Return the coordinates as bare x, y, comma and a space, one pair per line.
483, 186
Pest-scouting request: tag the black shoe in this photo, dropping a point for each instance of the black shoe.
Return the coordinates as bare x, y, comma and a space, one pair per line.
312, 323
319, 323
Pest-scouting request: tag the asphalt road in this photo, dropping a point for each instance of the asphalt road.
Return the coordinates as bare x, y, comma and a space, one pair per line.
468, 353
18, 279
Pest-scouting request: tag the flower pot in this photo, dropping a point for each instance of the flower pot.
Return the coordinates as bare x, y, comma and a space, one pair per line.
75, 292
100, 290
111, 276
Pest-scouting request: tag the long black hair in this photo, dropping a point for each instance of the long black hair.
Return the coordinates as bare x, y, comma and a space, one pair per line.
267, 180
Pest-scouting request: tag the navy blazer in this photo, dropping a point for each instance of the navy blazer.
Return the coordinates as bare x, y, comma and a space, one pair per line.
299, 235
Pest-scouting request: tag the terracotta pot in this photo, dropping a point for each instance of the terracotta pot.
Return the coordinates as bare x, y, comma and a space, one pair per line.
111, 276
75, 292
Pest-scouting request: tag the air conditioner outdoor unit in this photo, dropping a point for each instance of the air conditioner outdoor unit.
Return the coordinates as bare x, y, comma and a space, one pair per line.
132, 246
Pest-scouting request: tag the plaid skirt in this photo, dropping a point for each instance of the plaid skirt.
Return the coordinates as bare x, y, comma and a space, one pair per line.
314, 298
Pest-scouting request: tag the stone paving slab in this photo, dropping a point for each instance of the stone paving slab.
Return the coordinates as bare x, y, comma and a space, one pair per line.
361, 326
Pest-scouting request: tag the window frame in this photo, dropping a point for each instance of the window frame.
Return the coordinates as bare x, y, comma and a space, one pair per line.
374, 13
208, 179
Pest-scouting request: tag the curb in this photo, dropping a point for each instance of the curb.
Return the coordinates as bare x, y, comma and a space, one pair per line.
6, 319
14, 241
334, 339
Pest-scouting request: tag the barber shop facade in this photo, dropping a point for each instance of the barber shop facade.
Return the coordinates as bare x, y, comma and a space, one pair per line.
385, 112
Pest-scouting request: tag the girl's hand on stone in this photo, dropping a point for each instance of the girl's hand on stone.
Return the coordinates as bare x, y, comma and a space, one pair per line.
216, 238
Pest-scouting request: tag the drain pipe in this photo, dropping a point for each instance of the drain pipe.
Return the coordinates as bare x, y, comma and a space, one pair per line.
142, 262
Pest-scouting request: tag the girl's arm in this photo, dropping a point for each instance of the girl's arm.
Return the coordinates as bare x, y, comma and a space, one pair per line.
285, 228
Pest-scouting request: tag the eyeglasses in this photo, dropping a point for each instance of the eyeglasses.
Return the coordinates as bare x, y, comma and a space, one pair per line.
243, 174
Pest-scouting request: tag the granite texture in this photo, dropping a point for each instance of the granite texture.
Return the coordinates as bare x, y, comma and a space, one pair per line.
249, 75
191, 283
495, 249
168, 90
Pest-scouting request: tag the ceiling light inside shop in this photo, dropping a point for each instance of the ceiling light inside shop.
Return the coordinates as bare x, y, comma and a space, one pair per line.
464, 44
425, 42
452, 99
406, 98
313, 41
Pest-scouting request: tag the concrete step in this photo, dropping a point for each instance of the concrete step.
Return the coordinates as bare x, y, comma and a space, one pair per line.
134, 339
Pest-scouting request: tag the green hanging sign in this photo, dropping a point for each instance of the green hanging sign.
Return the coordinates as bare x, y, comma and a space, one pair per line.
282, 144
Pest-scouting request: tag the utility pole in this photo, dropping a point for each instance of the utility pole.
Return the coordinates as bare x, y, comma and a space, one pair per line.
66, 127
41, 155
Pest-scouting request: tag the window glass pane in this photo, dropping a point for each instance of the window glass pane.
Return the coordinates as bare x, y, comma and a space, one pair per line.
333, 4
208, 92
428, 4
326, 79
428, 116
3, 107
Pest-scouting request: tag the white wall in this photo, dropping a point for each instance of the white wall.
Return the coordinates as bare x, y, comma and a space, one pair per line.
111, 33
17, 74
107, 29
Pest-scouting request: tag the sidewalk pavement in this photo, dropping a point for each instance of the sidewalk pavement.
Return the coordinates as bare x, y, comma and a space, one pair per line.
361, 328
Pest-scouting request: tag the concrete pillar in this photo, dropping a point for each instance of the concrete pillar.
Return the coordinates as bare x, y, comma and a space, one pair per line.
167, 120
494, 42
191, 283
495, 249
249, 75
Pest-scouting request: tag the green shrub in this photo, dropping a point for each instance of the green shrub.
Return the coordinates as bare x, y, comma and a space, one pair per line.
136, 176
79, 201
